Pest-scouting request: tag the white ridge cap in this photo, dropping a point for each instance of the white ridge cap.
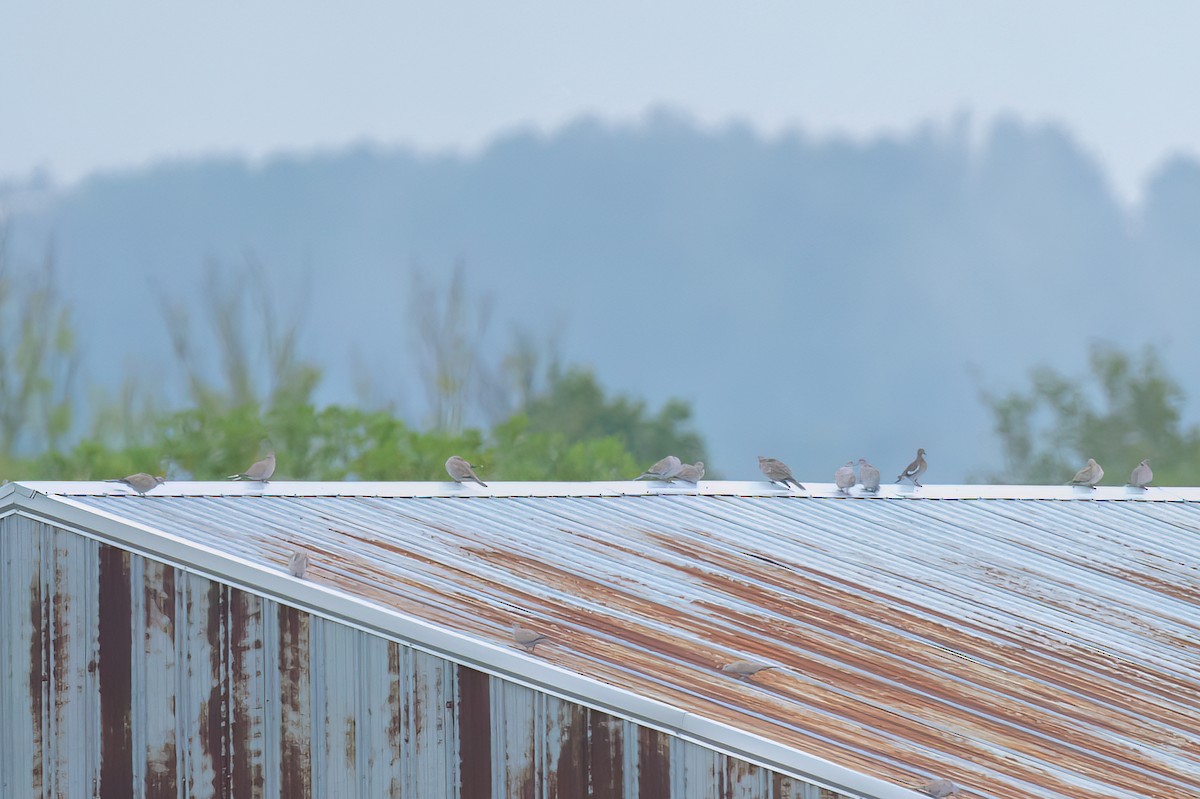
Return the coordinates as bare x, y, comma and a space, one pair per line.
627, 488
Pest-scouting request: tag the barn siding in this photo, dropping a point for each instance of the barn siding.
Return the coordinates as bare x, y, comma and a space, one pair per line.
126, 677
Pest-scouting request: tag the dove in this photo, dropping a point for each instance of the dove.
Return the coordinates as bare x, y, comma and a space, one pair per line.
1089, 475
665, 469
844, 477
1141, 475
691, 472
868, 475
939, 788
914, 470
745, 668
461, 471
140, 482
778, 472
259, 471
298, 563
527, 638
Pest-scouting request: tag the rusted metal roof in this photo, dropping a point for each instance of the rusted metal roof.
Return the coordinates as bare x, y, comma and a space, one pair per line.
1046, 644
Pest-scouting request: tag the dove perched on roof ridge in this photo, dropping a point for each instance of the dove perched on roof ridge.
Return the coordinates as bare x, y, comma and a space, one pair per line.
528, 639
778, 472
259, 471
140, 482
844, 477
461, 471
691, 472
298, 563
939, 788
914, 470
1141, 475
665, 469
868, 475
1089, 475
746, 668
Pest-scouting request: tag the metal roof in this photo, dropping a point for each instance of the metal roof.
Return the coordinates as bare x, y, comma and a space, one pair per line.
1019, 640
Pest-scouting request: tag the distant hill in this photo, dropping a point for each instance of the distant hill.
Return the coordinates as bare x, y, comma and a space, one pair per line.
815, 300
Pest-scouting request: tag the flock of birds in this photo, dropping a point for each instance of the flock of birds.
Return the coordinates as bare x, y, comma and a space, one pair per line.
670, 469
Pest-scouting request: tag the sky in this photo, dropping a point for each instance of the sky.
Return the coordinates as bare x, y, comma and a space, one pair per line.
122, 84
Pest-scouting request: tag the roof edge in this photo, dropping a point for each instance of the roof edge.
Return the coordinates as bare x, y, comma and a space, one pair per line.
503, 662
627, 488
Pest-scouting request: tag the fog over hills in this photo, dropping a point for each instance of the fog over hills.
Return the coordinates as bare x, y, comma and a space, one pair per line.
816, 300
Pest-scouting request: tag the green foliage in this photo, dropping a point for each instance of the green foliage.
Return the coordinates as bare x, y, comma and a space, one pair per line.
575, 407
519, 452
1126, 409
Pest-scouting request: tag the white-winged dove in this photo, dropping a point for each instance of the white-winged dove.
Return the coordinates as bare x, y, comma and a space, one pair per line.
1089, 475
460, 471
527, 638
939, 788
259, 471
914, 470
778, 472
140, 482
844, 477
868, 475
665, 469
298, 563
746, 668
1141, 475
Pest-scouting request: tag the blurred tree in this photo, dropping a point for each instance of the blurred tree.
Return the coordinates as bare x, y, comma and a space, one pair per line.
574, 406
450, 327
1126, 409
244, 387
519, 452
38, 360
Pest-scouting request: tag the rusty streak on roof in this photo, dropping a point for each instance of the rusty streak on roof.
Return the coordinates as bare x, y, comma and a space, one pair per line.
1021, 646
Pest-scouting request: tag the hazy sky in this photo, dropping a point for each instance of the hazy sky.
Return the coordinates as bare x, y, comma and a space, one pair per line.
85, 86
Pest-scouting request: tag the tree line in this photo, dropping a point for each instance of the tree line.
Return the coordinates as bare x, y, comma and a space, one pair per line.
237, 379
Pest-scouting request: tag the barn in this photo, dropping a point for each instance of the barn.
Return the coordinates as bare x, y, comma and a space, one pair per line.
1020, 641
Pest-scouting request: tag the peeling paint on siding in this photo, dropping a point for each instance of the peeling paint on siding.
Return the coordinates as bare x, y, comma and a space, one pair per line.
295, 719
474, 734
156, 665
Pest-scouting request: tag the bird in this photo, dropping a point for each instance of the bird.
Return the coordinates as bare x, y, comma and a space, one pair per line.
844, 477
691, 472
298, 563
778, 472
665, 469
259, 471
1089, 475
914, 470
140, 482
745, 668
461, 471
527, 638
868, 475
939, 788
1141, 475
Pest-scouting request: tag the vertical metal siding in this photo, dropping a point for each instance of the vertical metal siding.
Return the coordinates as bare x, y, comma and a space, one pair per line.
295, 703
77, 737
155, 659
21, 660
126, 677
198, 730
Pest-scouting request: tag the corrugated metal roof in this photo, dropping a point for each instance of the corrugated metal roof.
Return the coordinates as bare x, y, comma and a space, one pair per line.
1019, 646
